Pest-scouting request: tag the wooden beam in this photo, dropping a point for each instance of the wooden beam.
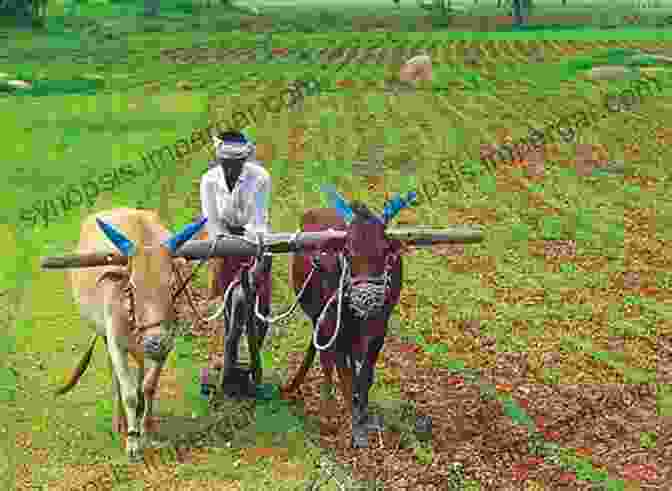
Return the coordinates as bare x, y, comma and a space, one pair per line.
88, 260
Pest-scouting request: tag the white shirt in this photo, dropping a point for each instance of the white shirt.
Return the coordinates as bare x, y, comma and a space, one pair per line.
237, 207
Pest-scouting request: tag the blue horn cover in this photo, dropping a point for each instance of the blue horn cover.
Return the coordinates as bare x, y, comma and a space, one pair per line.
396, 204
338, 202
177, 240
125, 246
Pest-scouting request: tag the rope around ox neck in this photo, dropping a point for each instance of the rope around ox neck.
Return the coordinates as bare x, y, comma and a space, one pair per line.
345, 270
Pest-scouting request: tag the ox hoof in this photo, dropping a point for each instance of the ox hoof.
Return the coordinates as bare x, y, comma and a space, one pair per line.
238, 383
135, 456
240, 389
360, 437
134, 449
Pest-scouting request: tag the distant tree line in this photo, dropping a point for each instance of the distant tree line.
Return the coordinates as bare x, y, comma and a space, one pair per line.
520, 9
35, 11
24, 11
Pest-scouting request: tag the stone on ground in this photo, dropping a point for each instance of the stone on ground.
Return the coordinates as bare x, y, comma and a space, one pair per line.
416, 69
19, 84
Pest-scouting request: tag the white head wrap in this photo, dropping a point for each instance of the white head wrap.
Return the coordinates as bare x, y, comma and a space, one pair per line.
227, 150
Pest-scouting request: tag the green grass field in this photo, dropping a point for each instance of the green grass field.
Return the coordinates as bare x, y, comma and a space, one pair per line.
529, 299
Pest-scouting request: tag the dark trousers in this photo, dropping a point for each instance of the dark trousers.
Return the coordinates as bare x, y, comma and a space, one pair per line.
226, 269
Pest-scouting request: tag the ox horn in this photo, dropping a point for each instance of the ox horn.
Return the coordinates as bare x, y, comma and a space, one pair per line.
177, 240
125, 246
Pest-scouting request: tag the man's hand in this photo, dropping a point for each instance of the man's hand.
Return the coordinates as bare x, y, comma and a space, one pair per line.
232, 230
236, 230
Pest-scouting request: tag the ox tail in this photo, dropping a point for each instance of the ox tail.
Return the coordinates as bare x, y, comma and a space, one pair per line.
303, 370
80, 369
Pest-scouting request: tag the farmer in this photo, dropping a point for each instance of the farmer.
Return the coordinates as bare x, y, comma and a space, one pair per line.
235, 194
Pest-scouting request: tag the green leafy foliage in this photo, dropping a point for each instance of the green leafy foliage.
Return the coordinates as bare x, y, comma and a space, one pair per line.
551, 228
648, 439
488, 184
602, 355
7, 345
535, 444
488, 392
104, 415
632, 190
328, 120
455, 476
275, 416
184, 353
515, 412
474, 82
583, 228
8, 383
439, 348
536, 188
267, 360
520, 232
376, 103
617, 56
551, 375
578, 64
473, 168
424, 453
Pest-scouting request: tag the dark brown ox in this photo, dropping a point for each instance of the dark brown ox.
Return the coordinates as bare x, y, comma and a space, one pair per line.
370, 256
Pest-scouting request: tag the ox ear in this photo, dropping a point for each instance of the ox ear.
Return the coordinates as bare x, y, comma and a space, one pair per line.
177, 240
338, 202
396, 204
125, 246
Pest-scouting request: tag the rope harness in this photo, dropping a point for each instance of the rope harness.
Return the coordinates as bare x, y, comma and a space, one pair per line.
245, 268
157, 347
367, 296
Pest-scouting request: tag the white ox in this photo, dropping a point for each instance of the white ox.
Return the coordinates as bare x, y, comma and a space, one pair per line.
101, 294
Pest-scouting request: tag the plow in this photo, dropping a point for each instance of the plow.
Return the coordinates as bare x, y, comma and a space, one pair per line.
337, 257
